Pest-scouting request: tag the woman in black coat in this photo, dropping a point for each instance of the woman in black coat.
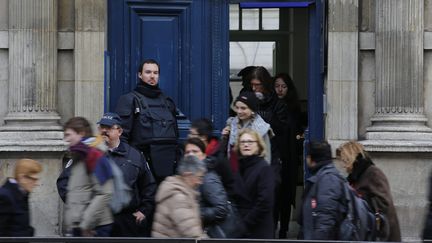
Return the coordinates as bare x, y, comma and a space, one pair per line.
370, 182
291, 148
254, 186
14, 206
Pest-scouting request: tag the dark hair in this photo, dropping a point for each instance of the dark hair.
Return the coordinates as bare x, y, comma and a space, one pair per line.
79, 125
204, 127
262, 75
244, 73
148, 61
319, 150
197, 142
291, 98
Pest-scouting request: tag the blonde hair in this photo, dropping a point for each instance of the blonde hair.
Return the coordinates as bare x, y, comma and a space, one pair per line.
349, 151
27, 167
256, 136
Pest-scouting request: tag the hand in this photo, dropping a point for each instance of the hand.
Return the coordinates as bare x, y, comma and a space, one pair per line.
87, 233
226, 131
139, 217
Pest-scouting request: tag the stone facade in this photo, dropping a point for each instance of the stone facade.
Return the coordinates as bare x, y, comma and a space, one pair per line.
378, 87
379, 91
51, 68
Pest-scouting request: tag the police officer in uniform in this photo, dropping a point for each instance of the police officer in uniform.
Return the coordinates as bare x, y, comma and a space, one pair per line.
149, 121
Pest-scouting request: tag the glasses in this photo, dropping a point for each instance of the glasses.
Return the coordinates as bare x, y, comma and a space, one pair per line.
249, 142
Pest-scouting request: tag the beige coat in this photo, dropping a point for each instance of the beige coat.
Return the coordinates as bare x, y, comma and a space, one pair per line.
177, 210
87, 202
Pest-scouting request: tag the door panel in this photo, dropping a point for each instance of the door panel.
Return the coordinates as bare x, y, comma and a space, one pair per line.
190, 41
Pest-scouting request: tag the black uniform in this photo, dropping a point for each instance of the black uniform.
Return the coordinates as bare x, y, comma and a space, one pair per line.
137, 176
149, 124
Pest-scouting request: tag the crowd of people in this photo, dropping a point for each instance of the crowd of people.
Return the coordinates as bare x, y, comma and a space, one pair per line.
241, 184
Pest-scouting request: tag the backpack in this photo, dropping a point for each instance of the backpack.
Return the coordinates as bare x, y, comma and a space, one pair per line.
155, 121
359, 223
122, 193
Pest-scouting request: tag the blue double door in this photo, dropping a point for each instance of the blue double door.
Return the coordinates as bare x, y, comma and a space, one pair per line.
190, 40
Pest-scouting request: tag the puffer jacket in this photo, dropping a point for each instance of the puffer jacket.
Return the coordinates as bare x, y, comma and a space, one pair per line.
87, 201
323, 206
177, 211
214, 205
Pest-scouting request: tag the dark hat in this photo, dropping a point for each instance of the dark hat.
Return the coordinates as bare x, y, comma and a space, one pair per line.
110, 119
319, 150
249, 98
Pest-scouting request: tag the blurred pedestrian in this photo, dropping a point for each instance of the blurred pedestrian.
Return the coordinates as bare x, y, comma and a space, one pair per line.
324, 199
90, 185
177, 209
371, 183
14, 195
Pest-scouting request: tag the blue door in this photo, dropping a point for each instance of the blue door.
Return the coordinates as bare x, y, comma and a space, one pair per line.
190, 41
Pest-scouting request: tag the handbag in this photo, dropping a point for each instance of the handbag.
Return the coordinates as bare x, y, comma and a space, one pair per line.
232, 227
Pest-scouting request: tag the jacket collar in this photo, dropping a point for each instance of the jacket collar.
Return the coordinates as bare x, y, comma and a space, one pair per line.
120, 150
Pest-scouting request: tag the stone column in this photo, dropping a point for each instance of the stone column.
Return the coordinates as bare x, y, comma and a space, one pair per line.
342, 79
90, 17
31, 123
399, 109
33, 63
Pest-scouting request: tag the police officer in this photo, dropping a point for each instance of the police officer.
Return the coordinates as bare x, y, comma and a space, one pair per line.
149, 121
135, 220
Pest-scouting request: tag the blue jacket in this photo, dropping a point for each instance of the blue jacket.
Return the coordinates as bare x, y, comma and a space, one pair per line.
323, 206
14, 212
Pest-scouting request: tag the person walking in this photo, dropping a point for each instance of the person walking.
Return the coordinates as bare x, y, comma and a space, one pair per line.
323, 202
371, 183
14, 195
177, 209
254, 186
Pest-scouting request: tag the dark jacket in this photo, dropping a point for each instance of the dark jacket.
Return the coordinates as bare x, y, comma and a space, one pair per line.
14, 212
151, 127
372, 184
254, 188
322, 209
427, 230
127, 106
213, 204
139, 177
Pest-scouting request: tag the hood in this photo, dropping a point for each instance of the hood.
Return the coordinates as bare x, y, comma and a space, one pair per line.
171, 186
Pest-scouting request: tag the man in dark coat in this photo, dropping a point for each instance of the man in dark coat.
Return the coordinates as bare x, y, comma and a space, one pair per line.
135, 220
14, 206
149, 121
322, 209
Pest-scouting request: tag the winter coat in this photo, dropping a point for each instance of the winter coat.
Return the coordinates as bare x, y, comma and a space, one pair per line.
213, 199
177, 210
140, 179
370, 182
87, 200
254, 187
14, 211
322, 209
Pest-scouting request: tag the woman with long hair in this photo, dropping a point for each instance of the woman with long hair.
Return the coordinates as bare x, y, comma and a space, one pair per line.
371, 183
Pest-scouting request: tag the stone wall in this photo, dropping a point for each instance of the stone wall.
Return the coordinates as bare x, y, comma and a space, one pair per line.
45, 79
397, 133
